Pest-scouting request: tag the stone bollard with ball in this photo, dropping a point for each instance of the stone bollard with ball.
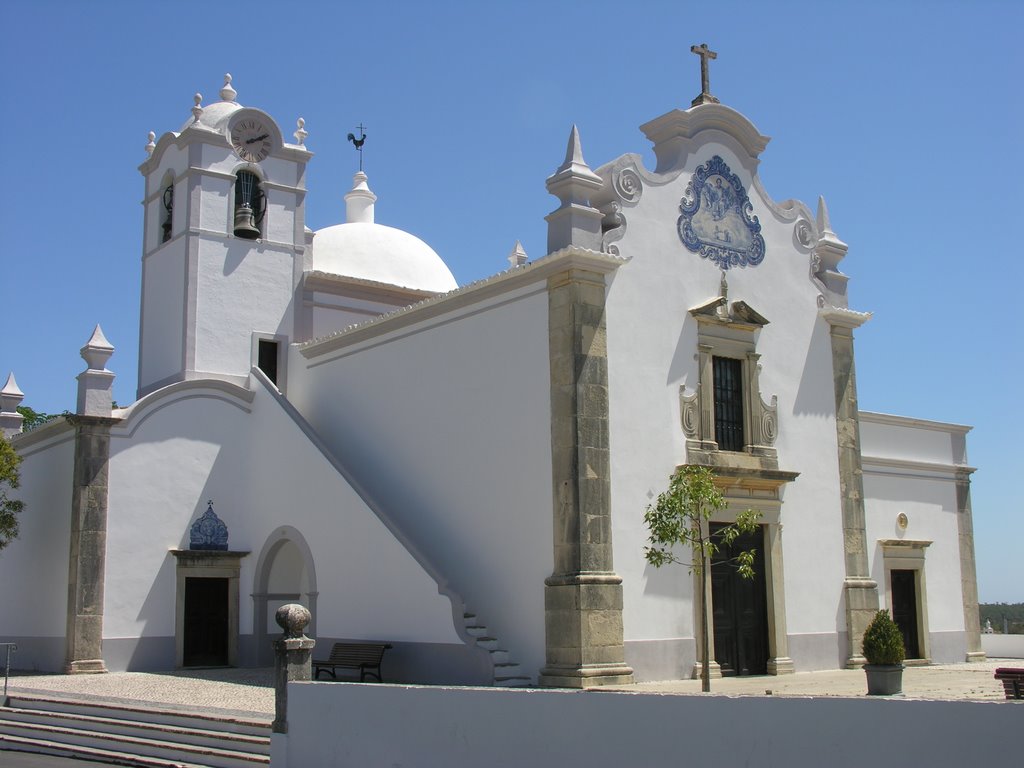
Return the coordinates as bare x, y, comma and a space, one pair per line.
293, 654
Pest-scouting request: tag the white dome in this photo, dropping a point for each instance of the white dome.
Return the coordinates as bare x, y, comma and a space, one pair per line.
368, 251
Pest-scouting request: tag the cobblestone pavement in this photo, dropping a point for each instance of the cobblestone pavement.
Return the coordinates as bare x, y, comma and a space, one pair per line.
250, 690
237, 690
939, 681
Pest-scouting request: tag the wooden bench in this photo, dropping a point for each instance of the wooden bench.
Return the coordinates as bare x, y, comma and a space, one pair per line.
1013, 681
365, 657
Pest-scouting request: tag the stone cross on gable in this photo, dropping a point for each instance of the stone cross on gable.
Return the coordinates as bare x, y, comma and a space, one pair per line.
705, 53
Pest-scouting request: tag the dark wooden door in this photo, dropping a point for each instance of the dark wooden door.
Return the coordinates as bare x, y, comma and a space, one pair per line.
904, 610
740, 610
206, 623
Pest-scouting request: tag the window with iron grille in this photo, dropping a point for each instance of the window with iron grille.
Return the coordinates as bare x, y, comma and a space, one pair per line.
728, 375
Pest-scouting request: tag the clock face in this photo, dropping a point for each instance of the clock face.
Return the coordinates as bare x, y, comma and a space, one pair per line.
250, 140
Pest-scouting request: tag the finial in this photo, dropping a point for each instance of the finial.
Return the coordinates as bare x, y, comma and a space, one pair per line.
197, 110
824, 225
517, 257
705, 53
723, 287
575, 222
359, 201
301, 134
97, 350
358, 143
10, 398
11, 388
152, 144
227, 93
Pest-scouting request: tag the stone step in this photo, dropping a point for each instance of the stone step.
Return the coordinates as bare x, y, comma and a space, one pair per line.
500, 657
153, 714
212, 757
44, 747
490, 643
477, 632
138, 728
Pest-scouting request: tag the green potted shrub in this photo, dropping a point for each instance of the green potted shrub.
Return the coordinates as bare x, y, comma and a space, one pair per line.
883, 649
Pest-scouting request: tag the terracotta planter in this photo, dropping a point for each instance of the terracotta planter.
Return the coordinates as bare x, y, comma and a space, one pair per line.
884, 679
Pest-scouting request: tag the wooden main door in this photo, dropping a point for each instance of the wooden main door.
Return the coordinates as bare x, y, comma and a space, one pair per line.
739, 608
206, 622
904, 610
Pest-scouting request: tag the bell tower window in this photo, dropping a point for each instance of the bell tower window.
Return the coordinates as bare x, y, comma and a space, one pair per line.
250, 206
167, 214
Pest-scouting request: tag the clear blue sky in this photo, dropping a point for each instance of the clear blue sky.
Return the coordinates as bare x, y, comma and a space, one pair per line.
907, 116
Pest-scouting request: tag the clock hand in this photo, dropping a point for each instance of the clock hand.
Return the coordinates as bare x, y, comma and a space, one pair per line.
257, 138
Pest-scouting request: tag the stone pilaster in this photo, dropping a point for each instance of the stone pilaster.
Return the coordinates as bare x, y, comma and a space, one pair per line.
859, 590
583, 596
87, 556
968, 574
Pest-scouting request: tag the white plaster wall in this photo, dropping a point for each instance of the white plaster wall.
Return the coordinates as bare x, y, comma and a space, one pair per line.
1003, 646
191, 443
447, 423
930, 505
652, 350
34, 567
216, 205
451, 728
163, 313
242, 288
894, 437
910, 466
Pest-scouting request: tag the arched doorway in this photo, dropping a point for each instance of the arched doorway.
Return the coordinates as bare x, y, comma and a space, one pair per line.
284, 574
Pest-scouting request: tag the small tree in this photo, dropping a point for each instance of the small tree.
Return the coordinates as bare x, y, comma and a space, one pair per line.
9, 480
883, 641
680, 516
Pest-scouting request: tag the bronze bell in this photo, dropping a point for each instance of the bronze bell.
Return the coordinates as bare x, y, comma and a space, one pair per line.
245, 223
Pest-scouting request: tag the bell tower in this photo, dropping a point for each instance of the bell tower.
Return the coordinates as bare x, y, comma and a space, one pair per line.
224, 245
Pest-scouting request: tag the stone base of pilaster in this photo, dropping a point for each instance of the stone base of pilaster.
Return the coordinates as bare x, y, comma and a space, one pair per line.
973, 656
86, 667
714, 669
586, 676
781, 665
861, 606
583, 627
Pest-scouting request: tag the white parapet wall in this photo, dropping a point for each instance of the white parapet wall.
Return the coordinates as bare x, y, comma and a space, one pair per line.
1003, 646
365, 725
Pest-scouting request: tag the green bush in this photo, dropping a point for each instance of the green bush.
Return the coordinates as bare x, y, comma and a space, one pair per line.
883, 641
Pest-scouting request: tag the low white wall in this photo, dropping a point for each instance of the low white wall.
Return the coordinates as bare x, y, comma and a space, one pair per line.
1003, 646
339, 724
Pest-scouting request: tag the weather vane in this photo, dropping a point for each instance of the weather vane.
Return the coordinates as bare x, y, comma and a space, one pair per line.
359, 142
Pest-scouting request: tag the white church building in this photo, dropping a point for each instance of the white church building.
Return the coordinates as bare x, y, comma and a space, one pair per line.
461, 471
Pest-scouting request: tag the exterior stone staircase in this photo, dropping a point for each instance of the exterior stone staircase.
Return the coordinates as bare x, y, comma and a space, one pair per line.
507, 673
132, 735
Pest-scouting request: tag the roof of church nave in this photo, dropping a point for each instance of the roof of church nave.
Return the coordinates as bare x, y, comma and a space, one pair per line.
362, 249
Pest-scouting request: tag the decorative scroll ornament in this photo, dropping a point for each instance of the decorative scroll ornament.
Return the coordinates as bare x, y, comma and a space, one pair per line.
689, 411
628, 185
717, 220
208, 532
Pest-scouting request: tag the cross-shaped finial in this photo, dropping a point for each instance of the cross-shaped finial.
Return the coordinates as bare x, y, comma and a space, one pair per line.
705, 53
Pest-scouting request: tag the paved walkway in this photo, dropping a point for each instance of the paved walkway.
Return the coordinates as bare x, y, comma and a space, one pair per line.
251, 691
235, 690
938, 681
